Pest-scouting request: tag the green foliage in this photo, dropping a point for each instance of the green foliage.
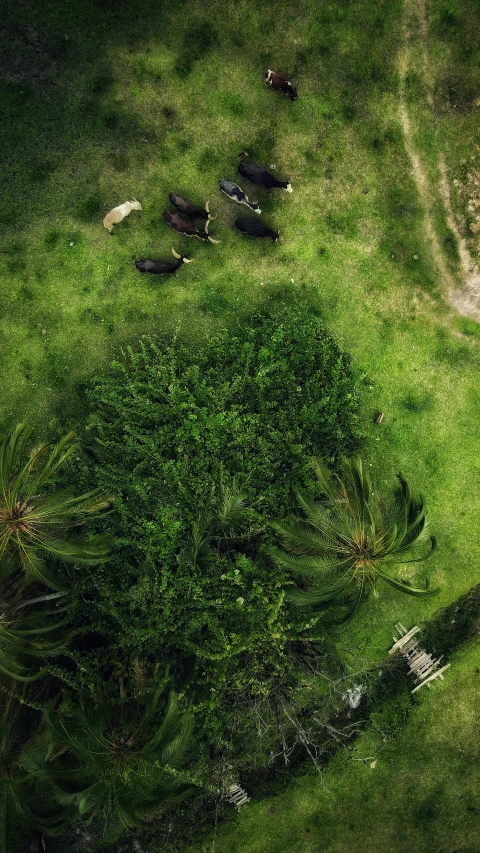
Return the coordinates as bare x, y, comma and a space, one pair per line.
121, 764
200, 448
35, 525
20, 794
24, 623
351, 539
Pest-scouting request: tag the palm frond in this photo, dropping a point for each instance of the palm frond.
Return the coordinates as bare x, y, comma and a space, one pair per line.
308, 566
405, 587
343, 541
231, 505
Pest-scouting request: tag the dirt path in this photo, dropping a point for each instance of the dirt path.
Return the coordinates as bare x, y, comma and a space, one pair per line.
461, 291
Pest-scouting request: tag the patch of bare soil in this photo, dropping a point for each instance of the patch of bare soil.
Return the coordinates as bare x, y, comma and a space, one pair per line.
463, 295
465, 299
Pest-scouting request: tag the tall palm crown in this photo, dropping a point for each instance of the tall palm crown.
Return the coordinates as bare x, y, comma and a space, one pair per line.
122, 769
34, 524
350, 539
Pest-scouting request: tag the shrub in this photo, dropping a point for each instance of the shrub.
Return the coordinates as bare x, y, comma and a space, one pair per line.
167, 424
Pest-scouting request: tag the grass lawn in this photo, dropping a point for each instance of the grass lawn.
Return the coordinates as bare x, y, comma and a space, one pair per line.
165, 100
421, 794
104, 102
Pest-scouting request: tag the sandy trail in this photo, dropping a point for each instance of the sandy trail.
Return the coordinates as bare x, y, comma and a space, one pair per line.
461, 291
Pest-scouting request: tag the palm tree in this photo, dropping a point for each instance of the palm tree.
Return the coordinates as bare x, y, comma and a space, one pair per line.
351, 539
35, 524
20, 796
24, 624
116, 766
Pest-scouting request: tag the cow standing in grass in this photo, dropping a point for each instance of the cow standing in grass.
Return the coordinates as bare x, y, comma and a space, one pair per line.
281, 84
258, 175
254, 228
118, 213
235, 193
186, 208
162, 267
183, 226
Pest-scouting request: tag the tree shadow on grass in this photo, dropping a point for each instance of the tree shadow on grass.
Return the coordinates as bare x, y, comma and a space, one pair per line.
59, 100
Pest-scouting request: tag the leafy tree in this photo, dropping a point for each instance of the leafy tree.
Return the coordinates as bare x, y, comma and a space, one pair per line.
247, 406
35, 524
351, 539
116, 765
25, 623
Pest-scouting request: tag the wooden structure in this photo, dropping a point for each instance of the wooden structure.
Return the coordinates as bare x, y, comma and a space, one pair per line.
422, 666
237, 796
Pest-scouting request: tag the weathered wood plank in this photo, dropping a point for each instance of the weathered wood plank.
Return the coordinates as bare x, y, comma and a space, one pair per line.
401, 642
436, 674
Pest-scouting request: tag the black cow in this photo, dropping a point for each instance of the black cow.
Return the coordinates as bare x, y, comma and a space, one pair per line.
185, 227
257, 175
251, 226
234, 192
162, 266
281, 83
189, 209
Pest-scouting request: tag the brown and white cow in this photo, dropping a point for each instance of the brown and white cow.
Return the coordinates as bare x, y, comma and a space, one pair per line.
280, 82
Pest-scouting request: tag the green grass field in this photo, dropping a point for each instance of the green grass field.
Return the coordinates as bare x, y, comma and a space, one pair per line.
104, 102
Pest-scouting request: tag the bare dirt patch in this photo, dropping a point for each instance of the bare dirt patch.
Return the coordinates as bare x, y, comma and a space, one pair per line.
465, 299
462, 291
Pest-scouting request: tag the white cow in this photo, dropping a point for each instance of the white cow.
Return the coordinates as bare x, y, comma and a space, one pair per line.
118, 213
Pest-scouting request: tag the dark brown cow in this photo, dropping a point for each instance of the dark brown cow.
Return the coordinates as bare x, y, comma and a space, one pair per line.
188, 209
185, 227
254, 228
281, 83
258, 175
159, 267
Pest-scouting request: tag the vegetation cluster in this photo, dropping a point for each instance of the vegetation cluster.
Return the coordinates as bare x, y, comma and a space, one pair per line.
173, 583
202, 450
190, 456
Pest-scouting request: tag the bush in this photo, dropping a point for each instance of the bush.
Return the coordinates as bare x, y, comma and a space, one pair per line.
167, 424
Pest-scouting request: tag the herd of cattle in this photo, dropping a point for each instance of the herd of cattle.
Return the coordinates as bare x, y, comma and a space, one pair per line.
182, 219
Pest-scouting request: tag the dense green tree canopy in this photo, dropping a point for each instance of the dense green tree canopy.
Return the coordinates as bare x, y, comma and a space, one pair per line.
172, 426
